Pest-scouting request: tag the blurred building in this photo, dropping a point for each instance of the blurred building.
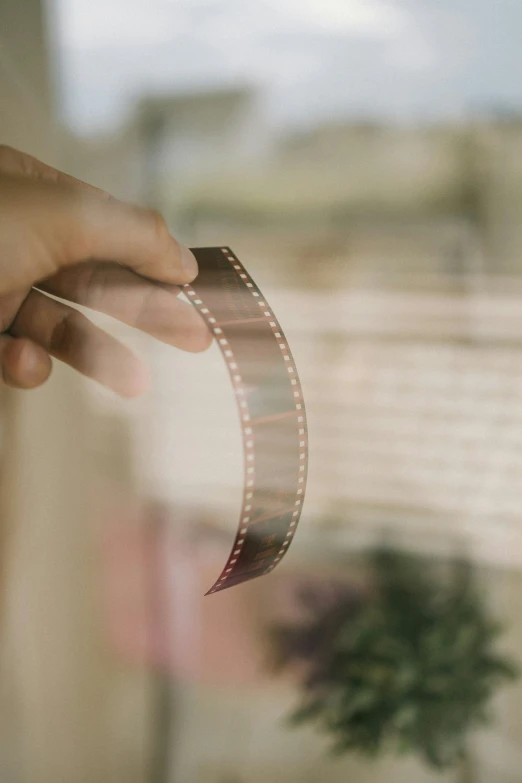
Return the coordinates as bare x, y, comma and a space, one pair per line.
170, 139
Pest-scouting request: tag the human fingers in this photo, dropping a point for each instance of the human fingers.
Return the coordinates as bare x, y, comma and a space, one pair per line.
145, 305
67, 335
23, 364
46, 226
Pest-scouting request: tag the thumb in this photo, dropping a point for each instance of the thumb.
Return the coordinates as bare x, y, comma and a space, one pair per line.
45, 226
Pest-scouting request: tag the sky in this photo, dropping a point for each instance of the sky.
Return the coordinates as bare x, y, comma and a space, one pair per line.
311, 59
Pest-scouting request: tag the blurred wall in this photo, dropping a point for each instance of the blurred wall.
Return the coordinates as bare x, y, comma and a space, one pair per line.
59, 686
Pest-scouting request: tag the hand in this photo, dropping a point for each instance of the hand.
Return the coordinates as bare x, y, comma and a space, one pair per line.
62, 237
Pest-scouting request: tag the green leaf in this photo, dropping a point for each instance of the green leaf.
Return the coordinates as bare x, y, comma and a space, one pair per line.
414, 668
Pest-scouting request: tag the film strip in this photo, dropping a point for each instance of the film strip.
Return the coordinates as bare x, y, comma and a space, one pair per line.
271, 409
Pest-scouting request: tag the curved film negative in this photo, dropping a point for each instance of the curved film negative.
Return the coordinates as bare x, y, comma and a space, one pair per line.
271, 409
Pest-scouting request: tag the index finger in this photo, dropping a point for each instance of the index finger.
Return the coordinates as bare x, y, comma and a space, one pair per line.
95, 225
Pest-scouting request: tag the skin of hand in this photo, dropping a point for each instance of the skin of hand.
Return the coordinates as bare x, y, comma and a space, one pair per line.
62, 237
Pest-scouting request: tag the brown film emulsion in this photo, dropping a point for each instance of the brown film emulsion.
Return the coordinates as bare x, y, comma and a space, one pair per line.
271, 410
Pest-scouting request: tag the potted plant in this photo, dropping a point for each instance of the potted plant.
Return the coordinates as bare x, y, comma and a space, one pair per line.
407, 666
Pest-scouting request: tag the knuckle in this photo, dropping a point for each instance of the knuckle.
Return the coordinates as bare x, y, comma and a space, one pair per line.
75, 227
6, 151
14, 162
65, 334
159, 226
92, 284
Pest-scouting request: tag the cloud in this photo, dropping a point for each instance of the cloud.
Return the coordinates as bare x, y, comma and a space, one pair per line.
126, 22
317, 57
362, 17
94, 23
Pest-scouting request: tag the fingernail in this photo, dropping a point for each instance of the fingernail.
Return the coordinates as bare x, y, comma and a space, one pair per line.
188, 260
31, 362
34, 366
29, 359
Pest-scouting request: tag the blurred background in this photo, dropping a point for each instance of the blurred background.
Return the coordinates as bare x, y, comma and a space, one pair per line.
363, 158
